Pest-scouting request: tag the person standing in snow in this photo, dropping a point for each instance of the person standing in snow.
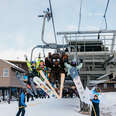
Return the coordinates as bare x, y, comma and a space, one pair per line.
22, 104
95, 106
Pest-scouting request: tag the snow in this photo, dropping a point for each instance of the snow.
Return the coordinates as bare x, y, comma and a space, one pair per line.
44, 107
108, 104
60, 107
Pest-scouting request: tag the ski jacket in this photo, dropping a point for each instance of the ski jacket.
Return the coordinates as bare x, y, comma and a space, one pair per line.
68, 66
22, 100
95, 101
29, 65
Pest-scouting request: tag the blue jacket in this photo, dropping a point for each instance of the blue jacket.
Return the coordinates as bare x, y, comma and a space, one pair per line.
22, 100
95, 101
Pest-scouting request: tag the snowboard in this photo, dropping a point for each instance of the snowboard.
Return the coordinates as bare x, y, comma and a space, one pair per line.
76, 79
43, 86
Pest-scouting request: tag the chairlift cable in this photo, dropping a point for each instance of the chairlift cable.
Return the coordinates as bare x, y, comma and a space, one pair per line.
80, 14
53, 21
108, 1
105, 20
106, 8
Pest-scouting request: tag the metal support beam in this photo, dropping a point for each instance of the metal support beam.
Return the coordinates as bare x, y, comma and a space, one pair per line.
86, 32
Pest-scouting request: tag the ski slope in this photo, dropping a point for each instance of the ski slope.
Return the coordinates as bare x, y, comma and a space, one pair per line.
59, 107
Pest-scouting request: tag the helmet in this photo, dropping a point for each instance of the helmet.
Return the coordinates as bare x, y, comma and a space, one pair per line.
33, 62
95, 95
73, 63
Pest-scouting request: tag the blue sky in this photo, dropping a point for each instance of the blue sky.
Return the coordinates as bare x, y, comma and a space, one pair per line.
20, 28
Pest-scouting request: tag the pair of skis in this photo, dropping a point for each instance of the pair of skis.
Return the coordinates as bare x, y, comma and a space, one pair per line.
47, 87
43, 86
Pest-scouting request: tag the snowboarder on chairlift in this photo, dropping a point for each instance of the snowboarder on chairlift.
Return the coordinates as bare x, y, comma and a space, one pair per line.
22, 105
95, 106
75, 64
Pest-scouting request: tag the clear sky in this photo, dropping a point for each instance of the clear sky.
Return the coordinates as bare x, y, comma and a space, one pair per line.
20, 28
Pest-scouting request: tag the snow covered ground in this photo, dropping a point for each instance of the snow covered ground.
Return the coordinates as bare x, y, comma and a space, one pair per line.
108, 104
43, 107
59, 107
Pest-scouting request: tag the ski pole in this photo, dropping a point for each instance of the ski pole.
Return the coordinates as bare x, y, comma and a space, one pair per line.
94, 109
29, 105
42, 74
21, 107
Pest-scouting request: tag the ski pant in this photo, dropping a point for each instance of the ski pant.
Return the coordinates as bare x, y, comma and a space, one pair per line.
21, 111
95, 112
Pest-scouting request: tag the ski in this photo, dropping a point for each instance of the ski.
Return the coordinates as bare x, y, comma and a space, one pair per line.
48, 83
43, 86
30, 92
62, 84
33, 86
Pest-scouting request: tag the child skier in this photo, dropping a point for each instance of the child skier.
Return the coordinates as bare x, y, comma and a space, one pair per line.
22, 104
95, 106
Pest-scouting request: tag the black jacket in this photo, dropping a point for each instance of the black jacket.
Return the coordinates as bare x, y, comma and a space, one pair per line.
95, 107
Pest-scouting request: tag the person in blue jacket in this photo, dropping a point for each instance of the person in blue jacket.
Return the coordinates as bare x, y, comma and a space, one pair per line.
95, 106
22, 105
